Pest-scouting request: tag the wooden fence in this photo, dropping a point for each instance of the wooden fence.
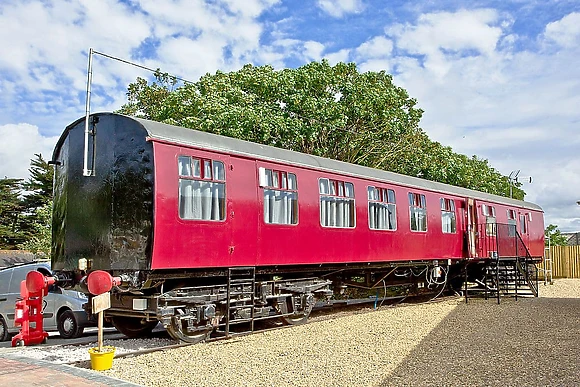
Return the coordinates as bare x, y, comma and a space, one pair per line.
565, 262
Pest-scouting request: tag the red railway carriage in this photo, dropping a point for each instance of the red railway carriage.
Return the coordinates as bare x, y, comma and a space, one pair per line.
177, 214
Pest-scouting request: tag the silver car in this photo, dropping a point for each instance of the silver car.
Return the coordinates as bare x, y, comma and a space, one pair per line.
62, 309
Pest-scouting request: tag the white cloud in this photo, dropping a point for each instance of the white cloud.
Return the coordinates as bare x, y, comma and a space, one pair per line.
250, 8
20, 142
556, 187
46, 64
313, 50
443, 35
374, 54
566, 31
377, 47
63, 31
375, 65
339, 8
338, 56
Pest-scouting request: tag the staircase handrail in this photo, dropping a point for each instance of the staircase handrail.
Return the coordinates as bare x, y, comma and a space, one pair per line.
524, 270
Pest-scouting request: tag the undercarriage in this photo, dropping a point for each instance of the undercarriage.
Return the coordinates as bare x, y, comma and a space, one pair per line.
192, 306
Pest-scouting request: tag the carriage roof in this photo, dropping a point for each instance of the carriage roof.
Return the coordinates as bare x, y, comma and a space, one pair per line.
191, 137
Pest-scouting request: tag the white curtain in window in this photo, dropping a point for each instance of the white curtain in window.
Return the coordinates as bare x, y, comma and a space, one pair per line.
418, 219
185, 199
382, 216
336, 212
280, 207
448, 221
201, 200
372, 216
206, 196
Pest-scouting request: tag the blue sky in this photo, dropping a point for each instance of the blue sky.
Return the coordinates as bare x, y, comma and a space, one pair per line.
498, 79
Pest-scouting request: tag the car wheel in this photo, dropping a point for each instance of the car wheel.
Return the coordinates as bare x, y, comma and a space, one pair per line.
68, 326
3, 329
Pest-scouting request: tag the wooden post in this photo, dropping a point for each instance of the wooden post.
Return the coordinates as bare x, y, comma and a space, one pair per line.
100, 331
101, 303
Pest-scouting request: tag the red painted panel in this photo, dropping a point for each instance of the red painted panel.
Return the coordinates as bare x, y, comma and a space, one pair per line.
180, 243
243, 238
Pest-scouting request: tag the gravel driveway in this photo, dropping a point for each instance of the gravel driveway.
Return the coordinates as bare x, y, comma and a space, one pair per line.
531, 342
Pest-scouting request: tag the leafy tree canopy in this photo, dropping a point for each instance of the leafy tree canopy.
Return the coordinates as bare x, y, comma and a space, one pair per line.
554, 237
39, 184
329, 111
41, 237
25, 207
10, 209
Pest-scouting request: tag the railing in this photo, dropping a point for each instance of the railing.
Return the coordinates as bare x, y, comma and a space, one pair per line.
502, 242
523, 252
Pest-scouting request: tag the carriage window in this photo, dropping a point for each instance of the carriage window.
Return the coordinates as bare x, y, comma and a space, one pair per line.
523, 224
280, 196
336, 203
488, 210
382, 209
448, 222
201, 189
512, 223
418, 210
489, 213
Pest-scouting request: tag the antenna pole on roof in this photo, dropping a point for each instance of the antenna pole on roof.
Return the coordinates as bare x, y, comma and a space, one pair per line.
513, 177
86, 170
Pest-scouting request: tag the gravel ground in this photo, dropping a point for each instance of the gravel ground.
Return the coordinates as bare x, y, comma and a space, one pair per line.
531, 342
73, 353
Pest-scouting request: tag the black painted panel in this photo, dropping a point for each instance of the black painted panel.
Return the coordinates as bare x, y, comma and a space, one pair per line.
106, 218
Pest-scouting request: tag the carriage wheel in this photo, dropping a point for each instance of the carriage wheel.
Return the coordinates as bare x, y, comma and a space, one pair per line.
301, 313
180, 331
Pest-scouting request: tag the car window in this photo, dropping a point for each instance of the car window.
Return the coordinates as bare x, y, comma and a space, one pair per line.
19, 275
5, 276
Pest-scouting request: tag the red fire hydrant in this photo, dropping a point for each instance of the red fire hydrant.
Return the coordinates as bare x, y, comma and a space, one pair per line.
28, 309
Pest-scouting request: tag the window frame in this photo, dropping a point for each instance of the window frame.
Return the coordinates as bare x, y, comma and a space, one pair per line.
280, 184
448, 207
338, 191
523, 223
488, 211
512, 222
384, 199
202, 178
418, 203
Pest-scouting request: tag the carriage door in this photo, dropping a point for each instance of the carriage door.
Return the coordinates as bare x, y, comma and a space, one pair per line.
471, 228
243, 212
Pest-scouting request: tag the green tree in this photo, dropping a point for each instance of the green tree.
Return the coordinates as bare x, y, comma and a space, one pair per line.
35, 202
554, 237
24, 206
39, 184
10, 212
40, 241
324, 110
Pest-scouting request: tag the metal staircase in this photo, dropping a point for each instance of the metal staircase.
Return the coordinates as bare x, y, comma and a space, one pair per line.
509, 270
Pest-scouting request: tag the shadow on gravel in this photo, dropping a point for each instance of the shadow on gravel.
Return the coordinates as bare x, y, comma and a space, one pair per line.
529, 342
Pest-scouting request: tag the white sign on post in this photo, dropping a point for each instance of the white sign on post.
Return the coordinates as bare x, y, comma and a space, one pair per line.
101, 302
